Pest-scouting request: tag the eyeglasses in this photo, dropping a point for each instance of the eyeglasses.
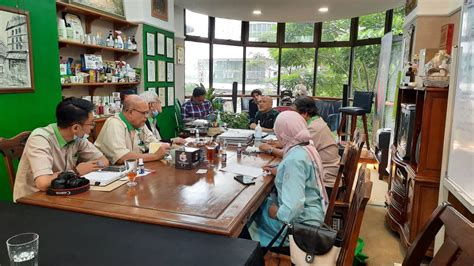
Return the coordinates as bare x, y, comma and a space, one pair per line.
145, 113
89, 124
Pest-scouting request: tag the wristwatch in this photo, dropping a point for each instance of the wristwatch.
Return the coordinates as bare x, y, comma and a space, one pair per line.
270, 151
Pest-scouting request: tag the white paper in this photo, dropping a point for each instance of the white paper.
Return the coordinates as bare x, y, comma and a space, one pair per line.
103, 177
201, 171
243, 170
160, 40
169, 47
170, 96
150, 44
162, 95
161, 71
170, 72
151, 71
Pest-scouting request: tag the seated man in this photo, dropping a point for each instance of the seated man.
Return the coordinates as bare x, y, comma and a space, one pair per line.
266, 114
253, 103
197, 107
125, 136
59, 147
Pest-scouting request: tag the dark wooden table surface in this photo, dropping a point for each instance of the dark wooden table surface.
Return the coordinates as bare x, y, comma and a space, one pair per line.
213, 202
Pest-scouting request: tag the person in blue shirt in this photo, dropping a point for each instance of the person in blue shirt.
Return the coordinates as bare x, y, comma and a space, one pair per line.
298, 181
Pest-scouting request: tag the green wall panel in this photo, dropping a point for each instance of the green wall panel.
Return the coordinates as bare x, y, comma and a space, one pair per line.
26, 111
166, 120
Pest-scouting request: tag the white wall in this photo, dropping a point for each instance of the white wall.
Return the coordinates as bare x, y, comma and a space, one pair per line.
140, 11
179, 41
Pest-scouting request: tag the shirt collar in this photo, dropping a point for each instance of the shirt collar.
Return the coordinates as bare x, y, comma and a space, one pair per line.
61, 141
312, 119
129, 126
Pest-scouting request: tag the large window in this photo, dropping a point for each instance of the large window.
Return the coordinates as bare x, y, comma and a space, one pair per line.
297, 67
333, 71
371, 26
228, 29
228, 67
337, 30
196, 24
299, 32
262, 31
398, 20
261, 71
366, 63
197, 65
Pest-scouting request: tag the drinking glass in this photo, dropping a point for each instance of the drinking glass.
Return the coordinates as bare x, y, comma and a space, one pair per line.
23, 249
131, 166
211, 152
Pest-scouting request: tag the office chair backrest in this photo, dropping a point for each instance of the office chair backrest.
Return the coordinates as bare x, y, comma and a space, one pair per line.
363, 100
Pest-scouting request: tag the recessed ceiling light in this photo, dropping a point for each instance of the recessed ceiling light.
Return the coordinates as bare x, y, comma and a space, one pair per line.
323, 9
257, 12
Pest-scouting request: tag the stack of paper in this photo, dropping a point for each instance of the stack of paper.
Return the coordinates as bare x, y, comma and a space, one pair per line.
235, 136
103, 178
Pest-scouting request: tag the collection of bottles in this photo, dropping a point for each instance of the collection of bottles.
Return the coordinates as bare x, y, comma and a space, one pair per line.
118, 42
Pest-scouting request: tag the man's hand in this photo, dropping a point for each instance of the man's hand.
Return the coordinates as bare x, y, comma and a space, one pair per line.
87, 167
273, 210
253, 126
270, 169
178, 141
265, 147
164, 148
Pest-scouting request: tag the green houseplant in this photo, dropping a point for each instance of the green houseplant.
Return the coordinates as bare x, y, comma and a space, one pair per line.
217, 102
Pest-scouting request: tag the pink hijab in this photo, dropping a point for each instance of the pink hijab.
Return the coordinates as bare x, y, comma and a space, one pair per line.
291, 129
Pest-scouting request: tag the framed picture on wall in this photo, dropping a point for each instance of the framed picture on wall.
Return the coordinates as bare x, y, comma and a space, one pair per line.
153, 89
170, 72
410, 5
150, 44
160, 42
159, 9
114, 8
170, 96
169, 47
161, 71
162, 95
16, 68
151, 70
179, 55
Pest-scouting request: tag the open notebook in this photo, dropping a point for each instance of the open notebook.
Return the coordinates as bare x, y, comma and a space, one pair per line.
103, 178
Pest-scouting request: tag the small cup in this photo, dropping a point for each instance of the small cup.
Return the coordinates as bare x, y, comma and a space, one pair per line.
23, 249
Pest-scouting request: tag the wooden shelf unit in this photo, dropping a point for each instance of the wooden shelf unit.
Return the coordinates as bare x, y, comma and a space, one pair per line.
414, 183
90, 48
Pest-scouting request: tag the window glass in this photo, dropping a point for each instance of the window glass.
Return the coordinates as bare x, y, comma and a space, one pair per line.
297, 67
262, 31
228, 29
371, 26
336, 30
333, 71
196, 68
261, 70
196, 24
228, 67
299, 32
398, 20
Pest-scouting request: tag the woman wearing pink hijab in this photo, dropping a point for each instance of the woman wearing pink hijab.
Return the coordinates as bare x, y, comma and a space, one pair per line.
298, 182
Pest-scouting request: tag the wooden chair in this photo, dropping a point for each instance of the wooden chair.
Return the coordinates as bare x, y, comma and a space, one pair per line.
355, 214
12, 149
458, 247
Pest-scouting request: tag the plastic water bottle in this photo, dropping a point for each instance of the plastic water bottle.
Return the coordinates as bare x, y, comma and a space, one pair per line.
258, 135
141, 166
224, 153
239, 150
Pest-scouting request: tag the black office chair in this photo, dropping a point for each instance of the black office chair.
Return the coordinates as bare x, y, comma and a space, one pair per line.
329, 111
361, 107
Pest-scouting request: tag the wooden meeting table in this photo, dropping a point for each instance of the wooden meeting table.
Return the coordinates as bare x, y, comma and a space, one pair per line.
213, 202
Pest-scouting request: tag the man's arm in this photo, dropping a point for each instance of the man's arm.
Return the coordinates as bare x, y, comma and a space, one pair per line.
147, 157
44, 181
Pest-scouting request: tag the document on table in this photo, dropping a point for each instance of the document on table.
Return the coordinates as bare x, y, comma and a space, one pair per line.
243, 170
103, 178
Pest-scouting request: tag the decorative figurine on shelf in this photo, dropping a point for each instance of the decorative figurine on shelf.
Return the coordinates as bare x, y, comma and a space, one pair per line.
437, 70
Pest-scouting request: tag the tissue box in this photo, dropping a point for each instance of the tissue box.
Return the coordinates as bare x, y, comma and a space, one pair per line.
187, 158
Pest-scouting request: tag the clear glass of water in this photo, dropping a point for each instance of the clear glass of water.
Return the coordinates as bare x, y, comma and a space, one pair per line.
23, 249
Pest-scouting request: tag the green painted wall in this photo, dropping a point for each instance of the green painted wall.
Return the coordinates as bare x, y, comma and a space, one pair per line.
26, 111
166, 120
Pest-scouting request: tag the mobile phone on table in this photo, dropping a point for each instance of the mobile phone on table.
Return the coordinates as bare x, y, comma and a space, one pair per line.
114, 168
244, 179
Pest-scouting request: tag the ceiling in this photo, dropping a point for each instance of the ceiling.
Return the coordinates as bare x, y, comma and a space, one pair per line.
287, 10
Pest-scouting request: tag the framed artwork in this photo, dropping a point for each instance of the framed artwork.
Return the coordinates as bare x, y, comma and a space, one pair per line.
162, 95
160, 41
170, 96
114, 8
16, 67
153, 89
179, 55
151, 70
150, 44
410, 5
169, 47
170, 72
161, 71
159, 9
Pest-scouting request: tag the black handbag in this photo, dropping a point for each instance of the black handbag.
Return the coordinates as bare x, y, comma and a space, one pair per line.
313, 240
